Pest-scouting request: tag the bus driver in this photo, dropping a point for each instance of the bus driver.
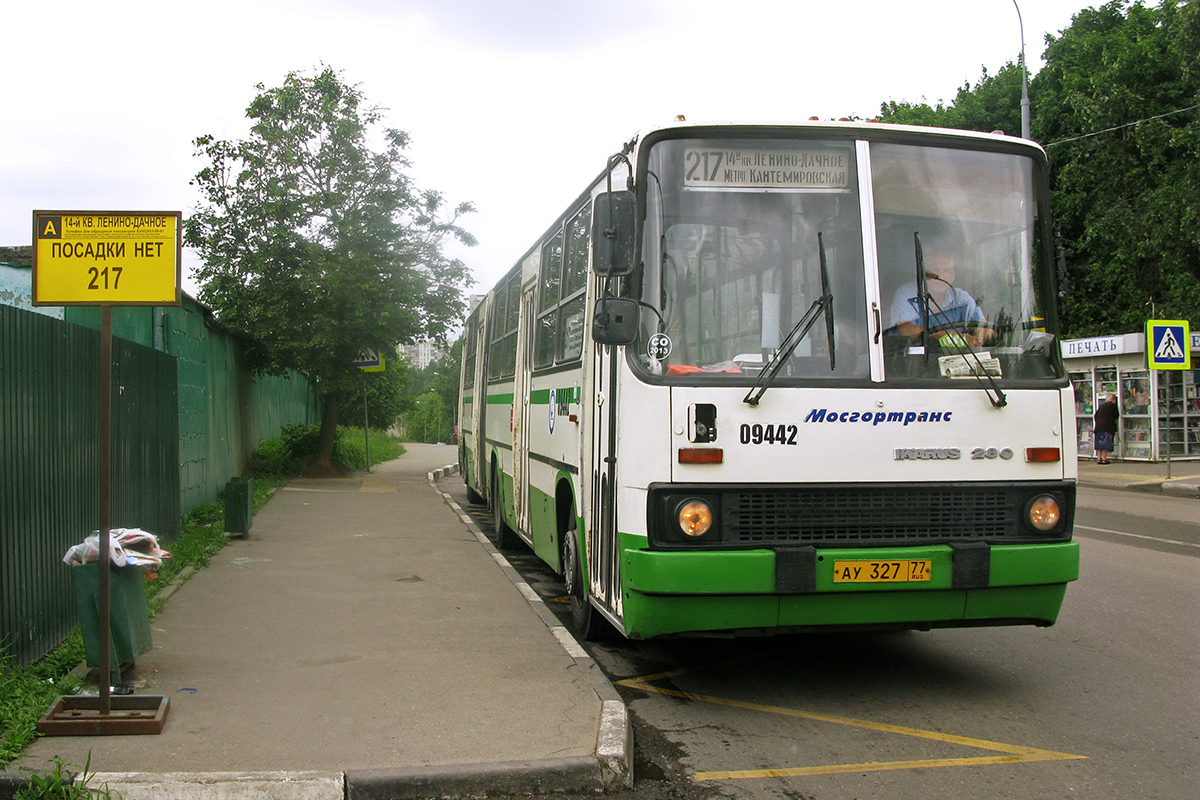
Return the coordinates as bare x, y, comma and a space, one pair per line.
952, 311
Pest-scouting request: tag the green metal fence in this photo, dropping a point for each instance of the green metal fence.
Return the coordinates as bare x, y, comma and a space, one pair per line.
186, 416
49, 429
223, 411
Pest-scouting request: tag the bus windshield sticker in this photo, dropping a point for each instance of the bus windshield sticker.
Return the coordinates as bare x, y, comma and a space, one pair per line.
659, 346
782, 170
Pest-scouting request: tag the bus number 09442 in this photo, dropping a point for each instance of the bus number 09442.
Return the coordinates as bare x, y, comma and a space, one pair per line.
769, 434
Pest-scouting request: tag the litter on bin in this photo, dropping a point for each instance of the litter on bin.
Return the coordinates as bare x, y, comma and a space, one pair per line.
127, 547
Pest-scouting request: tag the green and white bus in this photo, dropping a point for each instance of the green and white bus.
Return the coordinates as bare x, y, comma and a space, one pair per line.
771, 378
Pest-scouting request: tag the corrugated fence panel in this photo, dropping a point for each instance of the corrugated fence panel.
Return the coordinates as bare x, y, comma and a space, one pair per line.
49, 427
224, 412
186, 416
280, 401
145, 412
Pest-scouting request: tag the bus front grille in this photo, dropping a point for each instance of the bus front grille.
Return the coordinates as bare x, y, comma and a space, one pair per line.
868, 515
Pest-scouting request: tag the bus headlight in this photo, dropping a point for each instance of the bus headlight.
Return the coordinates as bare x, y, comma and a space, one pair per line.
1043, 513
695, 518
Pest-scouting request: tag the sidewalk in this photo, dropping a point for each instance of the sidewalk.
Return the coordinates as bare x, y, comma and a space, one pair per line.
1143, 476
365, 641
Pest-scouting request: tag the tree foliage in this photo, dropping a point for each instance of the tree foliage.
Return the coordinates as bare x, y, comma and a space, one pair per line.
1125, 180
318, 246
986, 106
431, 397
1111, 107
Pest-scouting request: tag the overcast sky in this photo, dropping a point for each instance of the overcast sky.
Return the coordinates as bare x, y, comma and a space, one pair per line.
513, 105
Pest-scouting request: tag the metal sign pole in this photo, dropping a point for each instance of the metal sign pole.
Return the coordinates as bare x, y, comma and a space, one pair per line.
1167, 421
366, 424
105, 481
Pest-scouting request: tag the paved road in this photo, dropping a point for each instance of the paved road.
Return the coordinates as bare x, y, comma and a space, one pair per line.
1106, 704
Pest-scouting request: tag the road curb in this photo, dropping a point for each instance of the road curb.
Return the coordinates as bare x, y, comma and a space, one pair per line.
222, 785
545, 776
614, 740
1173, 488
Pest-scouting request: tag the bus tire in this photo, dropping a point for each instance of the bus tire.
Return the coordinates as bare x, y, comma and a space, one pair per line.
589, 624
503, 537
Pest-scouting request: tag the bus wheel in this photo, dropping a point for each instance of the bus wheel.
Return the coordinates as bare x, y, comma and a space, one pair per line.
587, 621
502, 536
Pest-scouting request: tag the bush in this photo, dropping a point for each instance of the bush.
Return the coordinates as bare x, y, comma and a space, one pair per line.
284, 456
273, 458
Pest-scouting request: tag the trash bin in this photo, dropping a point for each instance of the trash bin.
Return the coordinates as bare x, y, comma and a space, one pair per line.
239, 505
129, 631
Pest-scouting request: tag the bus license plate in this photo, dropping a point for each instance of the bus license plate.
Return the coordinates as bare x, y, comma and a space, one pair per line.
882, 571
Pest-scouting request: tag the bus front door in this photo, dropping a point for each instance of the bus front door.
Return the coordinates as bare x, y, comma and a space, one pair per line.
522, 410
601, 547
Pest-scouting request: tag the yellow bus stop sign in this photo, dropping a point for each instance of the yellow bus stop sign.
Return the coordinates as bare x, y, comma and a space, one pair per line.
106, 257
1168, 344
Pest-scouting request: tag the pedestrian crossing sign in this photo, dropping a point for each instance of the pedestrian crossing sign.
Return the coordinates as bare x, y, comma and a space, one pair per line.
1168, 344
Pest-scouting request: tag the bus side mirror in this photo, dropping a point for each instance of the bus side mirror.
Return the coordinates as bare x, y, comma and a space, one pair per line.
615, 321
613, 216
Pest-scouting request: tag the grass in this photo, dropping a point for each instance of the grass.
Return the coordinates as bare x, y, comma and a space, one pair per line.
61, 784
26, 693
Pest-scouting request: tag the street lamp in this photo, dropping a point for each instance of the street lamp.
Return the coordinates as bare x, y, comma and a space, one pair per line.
1024, 82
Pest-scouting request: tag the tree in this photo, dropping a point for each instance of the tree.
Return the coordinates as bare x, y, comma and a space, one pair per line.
316, 245
992, 104
1115, 106
423, 414
387, 395
1112, 105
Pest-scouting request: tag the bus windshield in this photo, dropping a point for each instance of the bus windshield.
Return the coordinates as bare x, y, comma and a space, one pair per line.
947, 282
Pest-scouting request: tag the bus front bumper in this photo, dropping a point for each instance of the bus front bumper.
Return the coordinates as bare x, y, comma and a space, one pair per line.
669, 592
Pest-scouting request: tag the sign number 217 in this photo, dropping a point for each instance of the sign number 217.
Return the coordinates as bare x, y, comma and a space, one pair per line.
703, 165
100, 277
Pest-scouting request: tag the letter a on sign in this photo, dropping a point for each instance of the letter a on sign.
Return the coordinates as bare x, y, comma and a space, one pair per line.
1168, 344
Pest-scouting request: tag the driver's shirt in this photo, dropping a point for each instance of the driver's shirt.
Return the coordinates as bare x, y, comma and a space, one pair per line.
955, 308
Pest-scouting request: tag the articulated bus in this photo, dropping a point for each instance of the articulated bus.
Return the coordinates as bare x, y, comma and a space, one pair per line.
776, 378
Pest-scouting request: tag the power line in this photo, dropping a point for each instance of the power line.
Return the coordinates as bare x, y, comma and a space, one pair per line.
1126, 125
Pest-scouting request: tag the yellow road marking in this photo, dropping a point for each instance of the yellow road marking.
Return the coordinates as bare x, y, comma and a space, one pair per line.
1016, 753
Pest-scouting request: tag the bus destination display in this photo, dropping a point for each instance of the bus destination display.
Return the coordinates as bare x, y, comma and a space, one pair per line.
821, 170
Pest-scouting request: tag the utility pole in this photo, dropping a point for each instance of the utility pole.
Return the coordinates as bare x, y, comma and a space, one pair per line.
1024, 79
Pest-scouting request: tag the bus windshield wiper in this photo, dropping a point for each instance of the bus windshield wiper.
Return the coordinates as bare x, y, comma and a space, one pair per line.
797, 334
993, 392
922, 295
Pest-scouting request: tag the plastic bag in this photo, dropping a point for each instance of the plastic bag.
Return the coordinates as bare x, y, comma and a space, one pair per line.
127, 547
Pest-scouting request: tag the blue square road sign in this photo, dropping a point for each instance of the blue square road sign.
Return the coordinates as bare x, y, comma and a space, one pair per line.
1168, 344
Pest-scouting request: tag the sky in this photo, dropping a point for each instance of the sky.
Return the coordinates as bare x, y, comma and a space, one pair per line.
512, 105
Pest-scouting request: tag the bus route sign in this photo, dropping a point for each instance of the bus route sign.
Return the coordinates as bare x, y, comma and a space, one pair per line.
107, 258
1168, 344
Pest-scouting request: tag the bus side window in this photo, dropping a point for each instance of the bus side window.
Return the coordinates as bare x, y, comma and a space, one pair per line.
547, 322
499, 309
570, 346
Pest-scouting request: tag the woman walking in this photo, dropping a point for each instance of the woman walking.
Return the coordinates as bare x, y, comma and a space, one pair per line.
1106, 427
